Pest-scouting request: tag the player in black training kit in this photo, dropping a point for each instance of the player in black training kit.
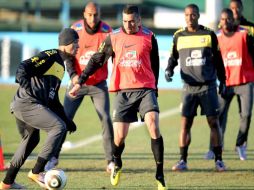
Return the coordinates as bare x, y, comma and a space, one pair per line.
36, 106
197, 49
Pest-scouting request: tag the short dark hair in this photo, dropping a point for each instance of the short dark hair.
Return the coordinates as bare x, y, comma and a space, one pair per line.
131, 9
67, 36
237, 1
193, 6
228, 11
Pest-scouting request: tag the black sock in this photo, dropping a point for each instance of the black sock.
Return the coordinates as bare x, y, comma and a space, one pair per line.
57, 156
39, 166
217, 153
157, 146
11, 175
117, 153
184, 153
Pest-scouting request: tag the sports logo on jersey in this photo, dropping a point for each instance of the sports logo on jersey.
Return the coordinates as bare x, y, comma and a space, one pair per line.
231, 55
195, 59
38, 61
78, 27
196, 54
52, 93
84, 59
202, 40
105, 28
34, 59
129, 45
130, 59
232, 59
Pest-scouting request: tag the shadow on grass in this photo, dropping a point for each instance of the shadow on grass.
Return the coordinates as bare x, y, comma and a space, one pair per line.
88, 169
229, 155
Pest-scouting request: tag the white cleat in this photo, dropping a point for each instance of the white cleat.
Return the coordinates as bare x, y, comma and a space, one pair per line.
110, 167
220, 166
209, 155
242, 152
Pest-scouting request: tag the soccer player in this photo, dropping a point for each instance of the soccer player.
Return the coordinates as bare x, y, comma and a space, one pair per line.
237, 49
237, 8
36, 107
92, 31
196, 48
134, 78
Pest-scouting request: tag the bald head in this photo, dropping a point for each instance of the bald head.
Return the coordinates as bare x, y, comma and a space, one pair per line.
92, 5
92, 14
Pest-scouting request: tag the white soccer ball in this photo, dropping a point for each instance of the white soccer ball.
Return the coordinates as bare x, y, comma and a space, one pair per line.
67, 145
55, 179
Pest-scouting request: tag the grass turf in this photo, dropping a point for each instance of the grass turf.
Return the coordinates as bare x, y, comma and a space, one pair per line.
85, 166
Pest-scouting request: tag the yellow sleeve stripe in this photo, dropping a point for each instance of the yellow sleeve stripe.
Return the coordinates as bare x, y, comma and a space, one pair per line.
56, 70
102, 45
201, 41
250, 29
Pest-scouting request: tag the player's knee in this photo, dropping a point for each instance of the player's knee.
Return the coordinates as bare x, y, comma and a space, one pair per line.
213, 122
60, 127
121, 139
151, 119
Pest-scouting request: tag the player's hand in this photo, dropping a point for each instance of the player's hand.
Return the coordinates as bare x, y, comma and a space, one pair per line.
168, 75
24, 83
74, 91
74, 79
71, 126
222, 90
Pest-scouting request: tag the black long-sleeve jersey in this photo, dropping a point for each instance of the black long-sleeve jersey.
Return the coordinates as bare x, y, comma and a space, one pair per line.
106, 51
199, 56
40, 79
250, 27
245, 22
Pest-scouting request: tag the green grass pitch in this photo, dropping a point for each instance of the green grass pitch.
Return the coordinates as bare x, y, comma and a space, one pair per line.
85, 165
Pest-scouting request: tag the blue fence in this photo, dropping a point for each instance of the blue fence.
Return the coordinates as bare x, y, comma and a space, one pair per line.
43, 41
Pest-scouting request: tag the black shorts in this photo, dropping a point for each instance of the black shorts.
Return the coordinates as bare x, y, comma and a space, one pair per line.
208, 101
128, 104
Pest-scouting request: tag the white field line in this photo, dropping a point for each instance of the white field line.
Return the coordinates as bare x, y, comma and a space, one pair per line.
133, 126
98, 137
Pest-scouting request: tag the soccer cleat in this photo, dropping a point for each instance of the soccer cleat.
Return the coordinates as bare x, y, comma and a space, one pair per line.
11, 186
115, 175
161, 183
110, 167
242, 152
180, 166
209, 155
38, 178
220, 166
52, 163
